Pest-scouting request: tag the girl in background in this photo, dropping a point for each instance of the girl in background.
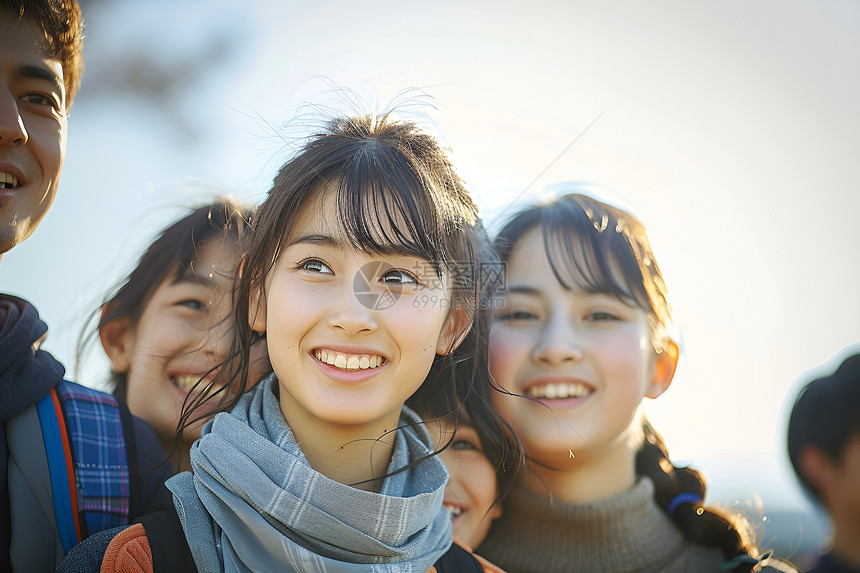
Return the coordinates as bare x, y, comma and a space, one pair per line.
362, 278
471, 495
582, 339
169, 325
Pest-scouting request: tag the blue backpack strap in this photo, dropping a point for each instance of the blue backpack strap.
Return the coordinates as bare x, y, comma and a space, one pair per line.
98, 444
61, 468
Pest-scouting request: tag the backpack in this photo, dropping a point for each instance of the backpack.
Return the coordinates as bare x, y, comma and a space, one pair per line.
87, 435
170, 552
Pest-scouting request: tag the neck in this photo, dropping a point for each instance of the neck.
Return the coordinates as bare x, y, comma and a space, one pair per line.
179, 454
587, 478
357, 455
846, 542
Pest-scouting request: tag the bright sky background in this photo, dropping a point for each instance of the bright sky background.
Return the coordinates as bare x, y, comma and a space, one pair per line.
732, 128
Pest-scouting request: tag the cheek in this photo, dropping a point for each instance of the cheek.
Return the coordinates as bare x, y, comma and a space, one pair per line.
475, 475
511, 409
165, 337
507, 351
51, 134
482, 483
624, 356
415, 329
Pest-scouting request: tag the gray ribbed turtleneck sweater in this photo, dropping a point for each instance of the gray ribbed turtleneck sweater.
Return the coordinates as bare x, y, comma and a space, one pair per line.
628, 533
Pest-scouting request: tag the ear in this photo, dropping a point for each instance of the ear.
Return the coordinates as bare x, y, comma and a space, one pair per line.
664, 369
117, 340
257, 311
457, 326
496, 510
816, 467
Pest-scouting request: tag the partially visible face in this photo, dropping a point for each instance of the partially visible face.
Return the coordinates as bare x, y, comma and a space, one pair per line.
184, 332
587, 359
33, 128
843, 484
471, 489
340, 360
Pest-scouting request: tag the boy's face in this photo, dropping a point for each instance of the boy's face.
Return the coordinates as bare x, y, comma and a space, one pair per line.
33, 126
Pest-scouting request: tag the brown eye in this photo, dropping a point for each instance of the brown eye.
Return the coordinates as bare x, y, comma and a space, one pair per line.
601, 316
399, 276
464, 445
315, 266
516, 315
193, 304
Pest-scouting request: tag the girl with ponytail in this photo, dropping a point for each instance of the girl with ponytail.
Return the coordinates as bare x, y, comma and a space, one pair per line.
580, 340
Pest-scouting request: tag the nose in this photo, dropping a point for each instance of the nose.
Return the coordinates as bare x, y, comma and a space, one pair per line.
449, 459
558, 343
12, 130
219, 338
351, 314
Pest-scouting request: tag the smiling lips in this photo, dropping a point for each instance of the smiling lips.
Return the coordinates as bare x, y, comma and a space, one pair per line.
7, 180
186, 382
454, 510
559, 390
346, 361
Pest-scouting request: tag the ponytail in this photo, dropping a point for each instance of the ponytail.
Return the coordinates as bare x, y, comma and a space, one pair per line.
680, 492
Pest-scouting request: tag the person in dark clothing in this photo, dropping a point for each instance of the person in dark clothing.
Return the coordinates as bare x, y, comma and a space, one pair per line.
824, 448
40, 68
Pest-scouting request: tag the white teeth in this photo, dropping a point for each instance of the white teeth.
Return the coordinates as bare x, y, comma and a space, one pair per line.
7, 180
453, 511
185, 383
349, 361
558, 391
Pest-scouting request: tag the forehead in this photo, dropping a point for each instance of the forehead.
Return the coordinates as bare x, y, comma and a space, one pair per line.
310, 220
219, 253
529, 262
23, 49
566, 263
213, 266
322, 215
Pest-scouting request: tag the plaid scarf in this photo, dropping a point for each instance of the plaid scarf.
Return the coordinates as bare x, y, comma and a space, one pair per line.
253, 503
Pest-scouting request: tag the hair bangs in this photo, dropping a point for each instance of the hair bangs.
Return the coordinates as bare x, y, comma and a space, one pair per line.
576, 247
385, 208
598, 248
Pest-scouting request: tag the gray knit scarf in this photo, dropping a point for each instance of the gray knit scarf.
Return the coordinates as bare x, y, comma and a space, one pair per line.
253, 503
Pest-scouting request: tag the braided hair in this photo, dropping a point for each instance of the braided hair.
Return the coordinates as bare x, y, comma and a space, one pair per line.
680, 491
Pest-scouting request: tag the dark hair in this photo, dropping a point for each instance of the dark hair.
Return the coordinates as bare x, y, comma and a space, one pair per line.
167, 257
396, 192
585, 240
63, 25
825, 416
602, 249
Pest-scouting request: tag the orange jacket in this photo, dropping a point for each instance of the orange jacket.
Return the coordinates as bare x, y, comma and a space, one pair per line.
129, 552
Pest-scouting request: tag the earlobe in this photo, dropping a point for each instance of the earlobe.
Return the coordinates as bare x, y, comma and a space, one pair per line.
664, 369
257, 311
815, 466
117, 342
457, 326
496, 511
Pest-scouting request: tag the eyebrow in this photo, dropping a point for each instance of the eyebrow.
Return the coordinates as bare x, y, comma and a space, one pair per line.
319, 240
189, 276
524, 290
38, 73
